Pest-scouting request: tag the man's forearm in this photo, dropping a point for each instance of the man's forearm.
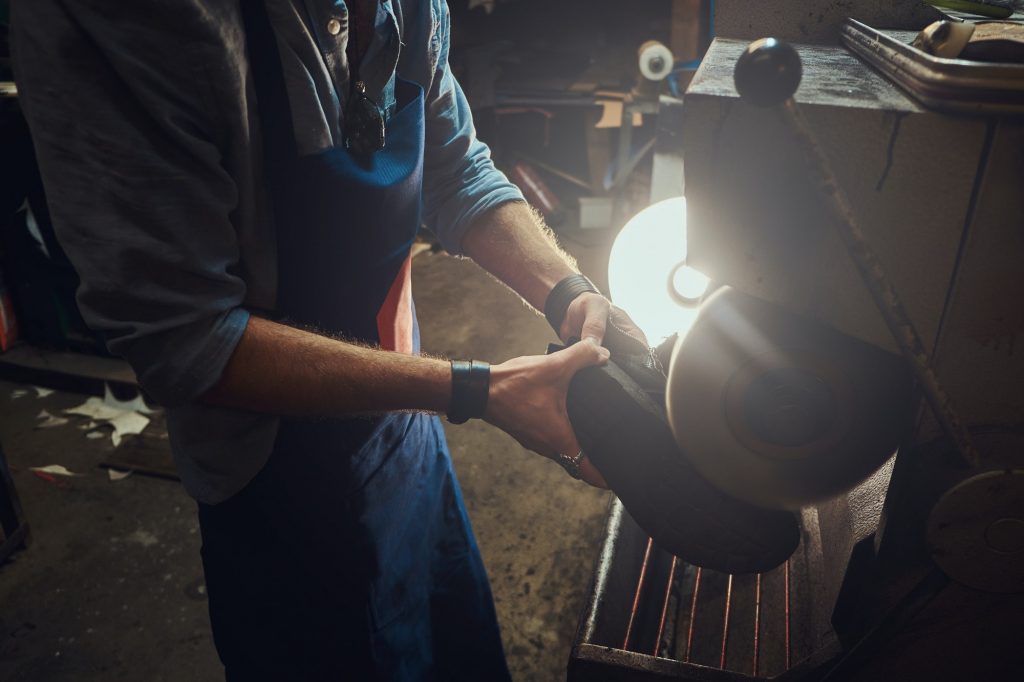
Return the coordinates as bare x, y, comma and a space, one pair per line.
282, 370
512, 243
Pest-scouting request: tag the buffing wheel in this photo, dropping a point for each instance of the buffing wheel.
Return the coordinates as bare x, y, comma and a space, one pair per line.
618, 414
779, 410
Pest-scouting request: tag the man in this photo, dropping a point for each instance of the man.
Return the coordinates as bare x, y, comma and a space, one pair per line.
238, 185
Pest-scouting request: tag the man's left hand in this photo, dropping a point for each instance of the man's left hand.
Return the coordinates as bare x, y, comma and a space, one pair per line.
588, 316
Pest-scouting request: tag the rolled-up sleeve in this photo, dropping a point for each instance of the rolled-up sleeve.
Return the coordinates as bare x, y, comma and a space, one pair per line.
460, 182
135, 184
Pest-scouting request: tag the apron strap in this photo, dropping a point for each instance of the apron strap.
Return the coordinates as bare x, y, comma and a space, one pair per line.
276, 125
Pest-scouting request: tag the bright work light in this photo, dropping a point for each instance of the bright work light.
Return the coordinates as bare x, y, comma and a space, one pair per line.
647, 273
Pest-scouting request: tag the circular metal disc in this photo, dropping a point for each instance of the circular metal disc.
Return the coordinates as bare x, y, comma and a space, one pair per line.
779, 410
976, 531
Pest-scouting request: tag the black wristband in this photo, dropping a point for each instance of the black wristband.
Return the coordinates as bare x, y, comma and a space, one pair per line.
471, 382
562, 294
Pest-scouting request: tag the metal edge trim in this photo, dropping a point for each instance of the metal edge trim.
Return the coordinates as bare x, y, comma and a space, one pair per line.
943, 93
588, 623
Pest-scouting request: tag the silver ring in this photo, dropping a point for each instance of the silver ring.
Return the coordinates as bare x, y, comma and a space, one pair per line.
572, 464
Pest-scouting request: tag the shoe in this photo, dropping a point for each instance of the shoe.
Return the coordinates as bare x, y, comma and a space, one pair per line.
618, 414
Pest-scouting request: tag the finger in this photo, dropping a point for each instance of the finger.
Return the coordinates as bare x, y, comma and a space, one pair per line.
565, 332
595, 324
585, 354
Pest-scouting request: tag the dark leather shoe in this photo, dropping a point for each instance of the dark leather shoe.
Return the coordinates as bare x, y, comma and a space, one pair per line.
618, 414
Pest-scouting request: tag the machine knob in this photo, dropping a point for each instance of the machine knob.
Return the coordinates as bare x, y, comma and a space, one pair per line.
768, 72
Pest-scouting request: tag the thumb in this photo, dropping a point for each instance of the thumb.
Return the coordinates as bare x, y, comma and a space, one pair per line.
586, 353
594, 326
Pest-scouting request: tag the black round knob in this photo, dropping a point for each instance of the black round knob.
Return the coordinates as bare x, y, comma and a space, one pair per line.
768, 72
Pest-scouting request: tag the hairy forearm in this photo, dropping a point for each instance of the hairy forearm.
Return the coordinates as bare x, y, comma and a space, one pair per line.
280, 370
513, 244
287, 371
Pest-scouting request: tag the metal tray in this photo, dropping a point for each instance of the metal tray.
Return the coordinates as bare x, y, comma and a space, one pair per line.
950, 85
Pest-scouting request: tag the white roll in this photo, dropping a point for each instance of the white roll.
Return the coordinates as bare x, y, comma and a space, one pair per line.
655, 60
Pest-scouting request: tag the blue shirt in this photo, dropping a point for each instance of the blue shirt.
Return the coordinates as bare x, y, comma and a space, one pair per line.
145, 125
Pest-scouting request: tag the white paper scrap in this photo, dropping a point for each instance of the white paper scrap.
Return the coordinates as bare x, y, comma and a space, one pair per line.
42, 392
127, 423
105, 409
88, 426
54, 469
48, 420
18, 393
93, 435
116, 475
96, 409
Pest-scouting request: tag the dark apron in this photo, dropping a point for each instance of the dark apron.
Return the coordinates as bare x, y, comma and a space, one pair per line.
350, 555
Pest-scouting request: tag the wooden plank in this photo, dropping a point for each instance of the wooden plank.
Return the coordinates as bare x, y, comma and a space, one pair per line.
685, 29
147, 453
66, 371
144, 455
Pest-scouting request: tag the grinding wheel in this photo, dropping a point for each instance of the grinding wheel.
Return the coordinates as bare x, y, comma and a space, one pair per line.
780, 410
617, 412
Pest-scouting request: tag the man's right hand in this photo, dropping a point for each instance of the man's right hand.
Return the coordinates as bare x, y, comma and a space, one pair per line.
527, 400
281, 370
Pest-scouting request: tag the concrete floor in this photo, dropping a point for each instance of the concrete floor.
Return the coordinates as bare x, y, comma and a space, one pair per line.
112, 586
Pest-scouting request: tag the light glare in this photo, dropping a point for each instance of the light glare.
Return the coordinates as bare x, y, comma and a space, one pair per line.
645, 253
689, 284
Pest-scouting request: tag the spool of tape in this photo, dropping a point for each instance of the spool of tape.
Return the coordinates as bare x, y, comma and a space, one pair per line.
655, 60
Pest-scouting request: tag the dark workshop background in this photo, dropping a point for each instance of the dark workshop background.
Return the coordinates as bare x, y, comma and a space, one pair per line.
110, 586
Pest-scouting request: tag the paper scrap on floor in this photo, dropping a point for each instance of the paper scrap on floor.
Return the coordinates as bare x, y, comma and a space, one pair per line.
127, 423
95, 409
42, 392
49, 421
117, 474
54, 469
127, 417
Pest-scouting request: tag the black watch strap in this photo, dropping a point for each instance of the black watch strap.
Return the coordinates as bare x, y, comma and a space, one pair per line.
471, 383
562, 294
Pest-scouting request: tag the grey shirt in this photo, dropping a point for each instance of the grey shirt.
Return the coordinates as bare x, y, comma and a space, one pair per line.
146, 128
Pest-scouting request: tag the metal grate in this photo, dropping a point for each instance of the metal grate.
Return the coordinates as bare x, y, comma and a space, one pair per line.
653, 617
739, 623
